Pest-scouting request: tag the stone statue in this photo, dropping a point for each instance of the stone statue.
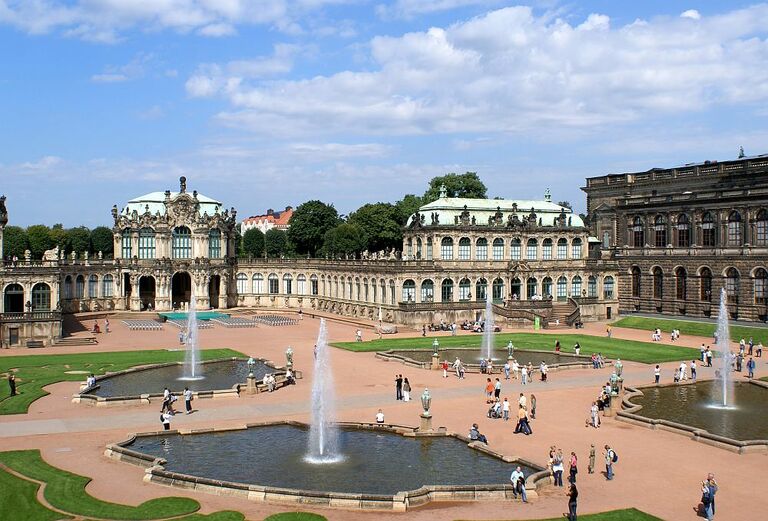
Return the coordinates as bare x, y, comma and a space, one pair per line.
101, 255
51, 255
619, 367
614, 383
435, 346
510, 349
426, 401
182, 184
289, 357
3, 212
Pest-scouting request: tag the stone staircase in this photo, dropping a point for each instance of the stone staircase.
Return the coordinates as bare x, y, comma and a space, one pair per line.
561, 315
76, 341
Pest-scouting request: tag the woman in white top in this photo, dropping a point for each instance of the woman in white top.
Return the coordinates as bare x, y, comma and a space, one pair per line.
380, 417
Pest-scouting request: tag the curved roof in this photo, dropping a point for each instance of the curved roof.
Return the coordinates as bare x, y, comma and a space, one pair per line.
156, 203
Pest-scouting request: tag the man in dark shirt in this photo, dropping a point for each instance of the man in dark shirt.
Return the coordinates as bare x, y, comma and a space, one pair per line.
399, 387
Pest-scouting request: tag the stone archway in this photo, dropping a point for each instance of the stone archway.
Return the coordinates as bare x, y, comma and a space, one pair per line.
147, 288
213, 291
181, 289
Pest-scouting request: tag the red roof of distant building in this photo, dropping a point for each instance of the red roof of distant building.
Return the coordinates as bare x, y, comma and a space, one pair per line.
279, 219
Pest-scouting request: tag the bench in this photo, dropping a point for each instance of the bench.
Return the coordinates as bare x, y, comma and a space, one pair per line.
35, 343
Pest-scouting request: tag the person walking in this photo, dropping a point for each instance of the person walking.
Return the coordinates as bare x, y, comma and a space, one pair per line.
608, 330
445, 368
657, 373
358, 336
518, 484
558, 468
591, 466
165, 418
406, 390
507, 369
750, 368
12, 384
505, 409
712, 486
594, 415
181, 337
573, 468
524, 374
533, 406
693, 370
610, 459
106, 325
497, 389
188, 400
573, 496
489, 388
398, 387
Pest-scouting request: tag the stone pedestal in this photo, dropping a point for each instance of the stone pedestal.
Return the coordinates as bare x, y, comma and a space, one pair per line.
615, 405
435, 361
426, 423
250, 386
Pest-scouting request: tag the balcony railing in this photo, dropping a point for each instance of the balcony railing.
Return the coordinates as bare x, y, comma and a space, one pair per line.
33, 316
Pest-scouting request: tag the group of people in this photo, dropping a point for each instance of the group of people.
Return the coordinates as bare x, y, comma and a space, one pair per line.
402, 388
167, 411
598, 361
97, 328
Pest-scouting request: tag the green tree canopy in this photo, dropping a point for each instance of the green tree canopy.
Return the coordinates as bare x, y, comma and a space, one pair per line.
253, 243
457, 185
343, 239
39, 237
276, 242
59, 236
380, 223
14, 241
102, 241
79, 239
309, 224
406, 207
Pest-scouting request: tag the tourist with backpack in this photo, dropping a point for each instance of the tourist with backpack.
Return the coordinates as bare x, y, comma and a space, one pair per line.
610, 458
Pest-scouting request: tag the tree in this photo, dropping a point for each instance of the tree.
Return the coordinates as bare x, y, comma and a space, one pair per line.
406, 207
79, 239
309, 224
59, 236
566, 204
102, 240
253, 243
14, 242
380, 224
456, 185
276, 242
39, 237
344, 239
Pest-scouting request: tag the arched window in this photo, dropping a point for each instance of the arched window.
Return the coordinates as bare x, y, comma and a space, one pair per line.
515, 288
446, 291
313, 285
658, 283
418, 248
546, 287
705, 284
683, 231
465, 247
546, 249
125, 243
14, 298
409, 291
592, 286
761, 286
41, 296
514, 249
576, 248
708, 230
481, 289
562, 288
257, 282
358, 288
241, 283
660, 231
681, 283
427, 291
301, 285
146, 243
273, 283
531, 249
732, 285
576, 286
465, 288
761, 228
106, 286
446, 248
482, 249
93, 286
531, 287
498, 291
735, 236
214, 244
498, 249
562, 249
636, 281
409, 248
181, 243
429, 248
68, 287
638, 232
79, 286
608, 285
392, 295
288, 284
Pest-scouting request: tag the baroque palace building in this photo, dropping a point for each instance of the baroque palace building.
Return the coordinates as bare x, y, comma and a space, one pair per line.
658, 241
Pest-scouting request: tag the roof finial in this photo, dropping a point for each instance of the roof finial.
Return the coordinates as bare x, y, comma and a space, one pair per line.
547, 195
443, 192
182, 184
741, 152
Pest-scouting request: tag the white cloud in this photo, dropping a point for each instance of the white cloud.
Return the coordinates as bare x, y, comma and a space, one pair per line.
42, 164
693, 14
133, 70
217, 30
338, 151
511, 71
411, 8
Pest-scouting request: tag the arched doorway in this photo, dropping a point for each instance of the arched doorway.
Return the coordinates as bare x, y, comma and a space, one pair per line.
14, 299
181, 286
213, 291
147, 293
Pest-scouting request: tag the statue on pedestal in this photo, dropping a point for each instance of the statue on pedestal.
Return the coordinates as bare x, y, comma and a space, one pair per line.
426, 401
289, 357
435, 346
618, 367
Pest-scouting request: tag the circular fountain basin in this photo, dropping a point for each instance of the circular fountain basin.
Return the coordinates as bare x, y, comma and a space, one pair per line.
471, 357
378, 465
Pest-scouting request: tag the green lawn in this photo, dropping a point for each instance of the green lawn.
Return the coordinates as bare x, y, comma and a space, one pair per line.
689, 327
647, 352
629, 514
33, 372
18, 500
295, 516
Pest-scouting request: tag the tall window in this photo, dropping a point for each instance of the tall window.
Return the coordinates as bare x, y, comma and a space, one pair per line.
705, 284
106, 286
608, 287
241, 283
638, 233
125, 244
465, 247
79, 286
181, 243
274, 284
498, 249
562, 249
357, 288
515, 288
530, 249
481, 289
429, 248
313, 284
257, 282
546, 249
562, 288
392, 292
41, 297
93, 286
708, 230
592, 286
735, 236
683, 231
214, 244
409, 248
146, 243
636, 281
427, 291
576, 248
761, 228
546, 287
576, 286
446, 248
409, 291
14, 298
681, 283
446, 291
531, 287
732, 285
660, 231
301, 285
761, 286
498, 291
482, 249
658, 283
288, 284
418, 248
465, 288
514, 249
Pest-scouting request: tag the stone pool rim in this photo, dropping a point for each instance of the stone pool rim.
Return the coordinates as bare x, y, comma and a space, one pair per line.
401, 501
103, 401
629, 414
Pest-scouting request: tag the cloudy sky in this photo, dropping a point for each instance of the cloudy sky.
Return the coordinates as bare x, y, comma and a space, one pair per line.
268, 103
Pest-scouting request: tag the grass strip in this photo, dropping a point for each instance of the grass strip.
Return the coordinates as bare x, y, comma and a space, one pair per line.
18, 500
691, 327
295, 516
627, 514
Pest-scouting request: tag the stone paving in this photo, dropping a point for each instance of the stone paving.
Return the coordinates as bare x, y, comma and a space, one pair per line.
658, 472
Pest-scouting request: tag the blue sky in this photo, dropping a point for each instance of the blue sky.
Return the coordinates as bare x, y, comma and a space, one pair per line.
263, 104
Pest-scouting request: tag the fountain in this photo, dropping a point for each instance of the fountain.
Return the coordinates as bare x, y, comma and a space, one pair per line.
723, 346
192, 370
323, 444
487, 346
